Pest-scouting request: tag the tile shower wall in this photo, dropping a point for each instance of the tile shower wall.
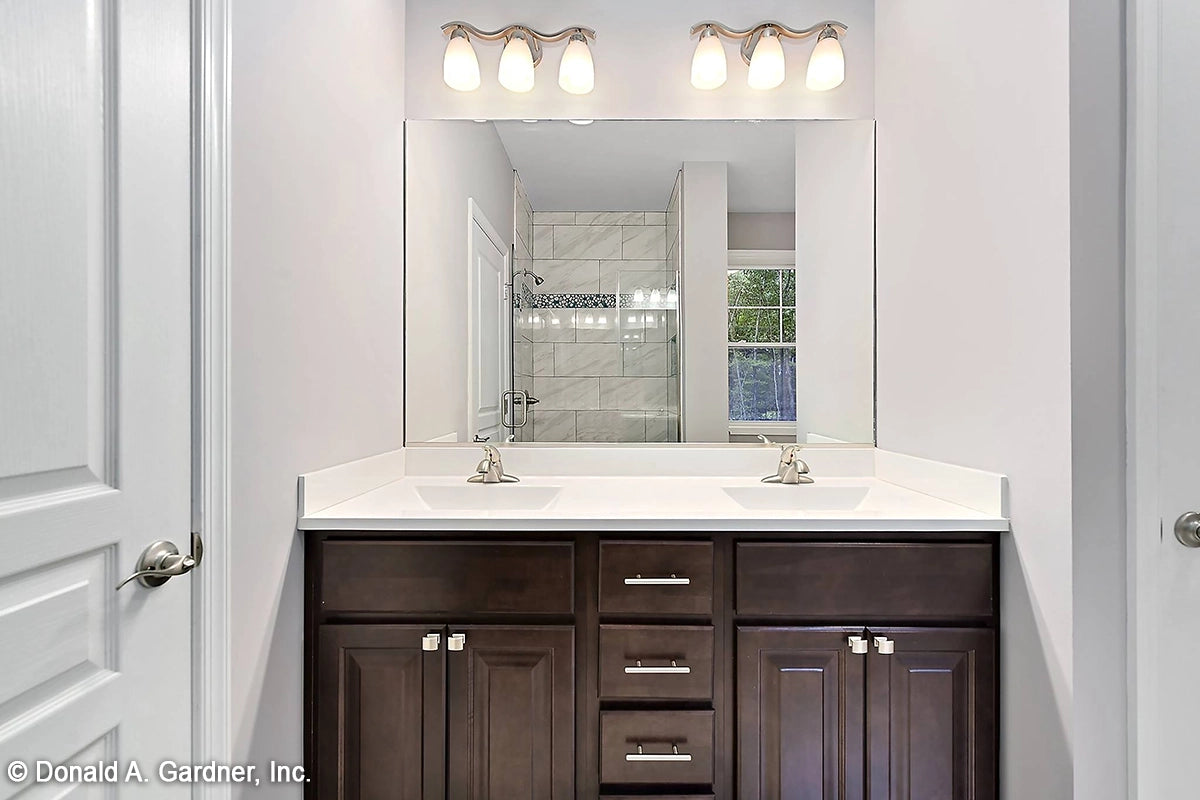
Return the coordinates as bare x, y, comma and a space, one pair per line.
598, 339
523, 365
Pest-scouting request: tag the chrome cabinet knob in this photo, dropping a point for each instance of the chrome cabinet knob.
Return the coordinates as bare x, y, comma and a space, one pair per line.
1187, 529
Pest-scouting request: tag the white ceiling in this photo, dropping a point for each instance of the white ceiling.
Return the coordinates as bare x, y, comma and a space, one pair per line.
617, 165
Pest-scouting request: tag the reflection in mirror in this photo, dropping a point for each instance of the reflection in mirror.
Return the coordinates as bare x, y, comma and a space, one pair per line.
639, 281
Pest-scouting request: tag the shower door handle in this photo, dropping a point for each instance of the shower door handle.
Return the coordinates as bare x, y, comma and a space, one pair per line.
508, 403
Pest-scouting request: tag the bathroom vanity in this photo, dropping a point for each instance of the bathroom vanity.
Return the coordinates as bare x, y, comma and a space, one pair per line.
687, 648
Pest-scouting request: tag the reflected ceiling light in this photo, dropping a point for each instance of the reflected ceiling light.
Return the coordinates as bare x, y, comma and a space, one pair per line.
762, 51
709, 68
827, 66
581, 121
460, 66
519, 60
576, 73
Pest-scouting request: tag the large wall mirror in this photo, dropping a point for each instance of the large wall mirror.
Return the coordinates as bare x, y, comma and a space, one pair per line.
639, 281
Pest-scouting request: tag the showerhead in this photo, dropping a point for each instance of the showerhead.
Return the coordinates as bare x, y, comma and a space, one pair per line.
538, 280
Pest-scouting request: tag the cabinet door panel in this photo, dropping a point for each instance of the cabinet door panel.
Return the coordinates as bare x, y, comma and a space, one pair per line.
800, 715
511, 714
380, 707
933, 716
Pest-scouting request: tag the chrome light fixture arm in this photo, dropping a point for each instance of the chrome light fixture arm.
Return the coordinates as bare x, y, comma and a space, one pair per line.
750, 36
535, 38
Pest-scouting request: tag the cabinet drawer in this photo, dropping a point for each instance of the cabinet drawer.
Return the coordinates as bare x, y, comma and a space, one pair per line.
656, 578
447, 577
676, 747
662, 662
865, 581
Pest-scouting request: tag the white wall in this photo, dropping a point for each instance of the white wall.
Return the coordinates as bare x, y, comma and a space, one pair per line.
452, 161
1098, 407
775, 230
318, 105
835, 280
974, 294
643, 56
703, 289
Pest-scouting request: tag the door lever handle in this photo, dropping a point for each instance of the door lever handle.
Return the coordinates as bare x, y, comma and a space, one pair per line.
158, 563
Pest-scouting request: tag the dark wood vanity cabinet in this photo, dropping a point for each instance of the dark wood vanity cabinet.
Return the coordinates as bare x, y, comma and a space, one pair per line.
685, 666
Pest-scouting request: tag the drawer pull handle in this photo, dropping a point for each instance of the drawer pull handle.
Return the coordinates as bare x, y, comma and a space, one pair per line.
638, 580
674, 755
674, 669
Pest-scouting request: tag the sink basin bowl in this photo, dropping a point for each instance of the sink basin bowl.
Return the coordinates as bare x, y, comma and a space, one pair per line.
487, 497
779, 497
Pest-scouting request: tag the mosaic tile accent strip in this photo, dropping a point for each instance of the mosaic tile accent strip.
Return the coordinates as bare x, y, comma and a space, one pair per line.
592, 300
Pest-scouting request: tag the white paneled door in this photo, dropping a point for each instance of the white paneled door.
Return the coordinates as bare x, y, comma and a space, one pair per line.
94, 388
489, 326
1166, 361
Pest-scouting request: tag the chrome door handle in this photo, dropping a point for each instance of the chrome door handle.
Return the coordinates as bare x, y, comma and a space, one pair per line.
674, 669
1187, 529
674, 755
638, 580
162, 561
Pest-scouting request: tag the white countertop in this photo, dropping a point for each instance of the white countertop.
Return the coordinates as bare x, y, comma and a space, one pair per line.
854, 490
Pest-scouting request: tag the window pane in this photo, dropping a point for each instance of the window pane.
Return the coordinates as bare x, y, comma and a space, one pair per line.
762, 384
789, 287
789, 325
753, 287
754, 325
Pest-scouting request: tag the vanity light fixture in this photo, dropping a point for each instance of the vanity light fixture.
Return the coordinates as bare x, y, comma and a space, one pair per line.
521, 55
762, 50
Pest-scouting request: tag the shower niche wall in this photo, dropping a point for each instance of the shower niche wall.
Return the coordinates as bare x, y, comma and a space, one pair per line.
595, 323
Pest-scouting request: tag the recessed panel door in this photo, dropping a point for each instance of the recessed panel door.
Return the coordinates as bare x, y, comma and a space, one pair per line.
95, 249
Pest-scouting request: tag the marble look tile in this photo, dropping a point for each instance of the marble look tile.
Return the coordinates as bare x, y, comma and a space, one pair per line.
611, 269
529, 326
596, 325
646, 360
657, 426
553, 426
610, 426
627, 394
555, 325
587, 359
568, 276
554, 218
543, 359
523, 358
543, 241
673, 396
631, 329
586, 241
563, 394
655, 325
647, 241
610, 218
656, 218
673, 428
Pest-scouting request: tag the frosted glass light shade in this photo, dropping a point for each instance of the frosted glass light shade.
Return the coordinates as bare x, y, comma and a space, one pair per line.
460, 67
709, 68
766, 64
516, 66
576, 73
827, 66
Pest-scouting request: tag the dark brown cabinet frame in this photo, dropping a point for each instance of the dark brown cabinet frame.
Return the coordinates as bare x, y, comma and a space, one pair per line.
724, 619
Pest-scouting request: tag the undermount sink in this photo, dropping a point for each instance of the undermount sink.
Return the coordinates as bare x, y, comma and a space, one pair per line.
488, 497
781, 497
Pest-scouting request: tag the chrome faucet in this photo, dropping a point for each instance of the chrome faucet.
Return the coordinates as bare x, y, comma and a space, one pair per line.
491, 468
792, 469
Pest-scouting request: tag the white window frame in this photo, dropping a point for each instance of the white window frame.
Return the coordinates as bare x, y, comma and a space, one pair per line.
767, 259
